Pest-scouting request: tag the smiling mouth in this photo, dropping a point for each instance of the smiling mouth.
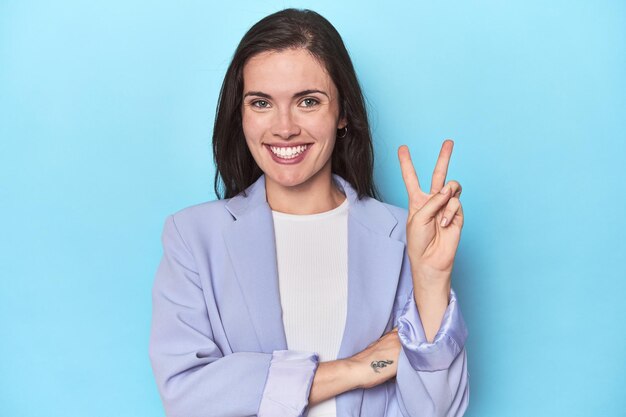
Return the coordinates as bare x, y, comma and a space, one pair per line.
288, 152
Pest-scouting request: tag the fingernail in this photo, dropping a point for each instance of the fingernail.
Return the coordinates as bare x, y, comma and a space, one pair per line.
444, 221
444, 190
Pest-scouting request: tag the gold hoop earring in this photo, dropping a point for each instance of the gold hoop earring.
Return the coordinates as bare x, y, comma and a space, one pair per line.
345, 132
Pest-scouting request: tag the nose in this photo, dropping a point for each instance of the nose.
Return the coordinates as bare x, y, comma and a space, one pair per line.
284, 125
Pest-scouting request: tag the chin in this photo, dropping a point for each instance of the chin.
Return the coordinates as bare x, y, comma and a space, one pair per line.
288, 179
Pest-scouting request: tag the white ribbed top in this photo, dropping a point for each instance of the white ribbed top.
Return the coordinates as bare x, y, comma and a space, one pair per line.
312, 255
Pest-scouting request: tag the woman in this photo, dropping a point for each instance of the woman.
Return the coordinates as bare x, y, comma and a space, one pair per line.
294, 293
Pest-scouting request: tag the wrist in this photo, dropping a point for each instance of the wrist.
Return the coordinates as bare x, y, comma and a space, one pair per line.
353, 367
331, 379
428, 277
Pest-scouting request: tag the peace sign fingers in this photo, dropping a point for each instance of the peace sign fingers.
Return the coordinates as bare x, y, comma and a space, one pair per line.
441, 168
410, 177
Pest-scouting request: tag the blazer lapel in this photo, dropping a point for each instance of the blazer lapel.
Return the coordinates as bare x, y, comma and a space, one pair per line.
374, 262
251, 245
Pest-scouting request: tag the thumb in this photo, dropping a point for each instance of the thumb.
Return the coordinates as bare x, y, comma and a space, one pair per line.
436, 202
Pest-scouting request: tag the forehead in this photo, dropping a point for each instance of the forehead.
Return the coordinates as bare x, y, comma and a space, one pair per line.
285, 71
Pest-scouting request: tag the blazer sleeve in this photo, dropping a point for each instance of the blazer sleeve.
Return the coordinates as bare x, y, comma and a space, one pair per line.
193, 376
432, 378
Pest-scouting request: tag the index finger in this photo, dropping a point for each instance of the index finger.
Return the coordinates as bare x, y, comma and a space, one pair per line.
441, 168
408, 172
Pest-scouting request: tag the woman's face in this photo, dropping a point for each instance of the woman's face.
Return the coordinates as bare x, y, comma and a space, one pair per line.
290, 116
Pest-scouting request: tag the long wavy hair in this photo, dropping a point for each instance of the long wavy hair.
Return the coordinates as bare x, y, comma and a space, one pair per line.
353, 155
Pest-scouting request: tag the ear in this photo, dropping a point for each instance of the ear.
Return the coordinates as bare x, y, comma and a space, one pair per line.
343, 120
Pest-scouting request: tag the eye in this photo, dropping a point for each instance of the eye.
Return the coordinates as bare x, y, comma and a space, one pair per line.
309, 102
261, 104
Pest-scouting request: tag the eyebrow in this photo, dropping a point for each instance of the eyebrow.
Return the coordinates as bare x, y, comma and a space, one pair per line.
296, 95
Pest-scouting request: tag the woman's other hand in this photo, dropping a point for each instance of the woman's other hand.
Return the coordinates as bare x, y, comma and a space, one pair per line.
374, 365
378, 362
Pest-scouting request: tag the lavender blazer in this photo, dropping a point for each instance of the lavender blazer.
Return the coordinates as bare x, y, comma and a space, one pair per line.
217, 343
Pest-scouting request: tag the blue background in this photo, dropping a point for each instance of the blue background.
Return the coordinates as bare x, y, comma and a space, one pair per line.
106, 113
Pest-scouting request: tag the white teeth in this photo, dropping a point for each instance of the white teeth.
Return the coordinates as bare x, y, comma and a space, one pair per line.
288, 152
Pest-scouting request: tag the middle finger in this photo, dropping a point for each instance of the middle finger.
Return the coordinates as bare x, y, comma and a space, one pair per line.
441, 168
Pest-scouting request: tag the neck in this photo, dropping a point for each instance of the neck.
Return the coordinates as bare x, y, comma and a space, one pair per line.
317, 195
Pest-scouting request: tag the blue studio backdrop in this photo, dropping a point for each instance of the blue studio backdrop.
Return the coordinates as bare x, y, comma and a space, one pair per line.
106, 112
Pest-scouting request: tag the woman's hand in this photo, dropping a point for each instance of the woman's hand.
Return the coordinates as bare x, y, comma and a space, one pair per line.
435, 219
374, 365
378, 362
433, 231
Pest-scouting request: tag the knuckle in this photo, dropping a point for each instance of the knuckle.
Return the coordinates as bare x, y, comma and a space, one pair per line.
452, 206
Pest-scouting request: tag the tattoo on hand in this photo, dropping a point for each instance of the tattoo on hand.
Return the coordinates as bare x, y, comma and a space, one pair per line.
380, 364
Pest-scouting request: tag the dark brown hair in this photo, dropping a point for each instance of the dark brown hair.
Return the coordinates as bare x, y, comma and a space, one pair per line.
353, 155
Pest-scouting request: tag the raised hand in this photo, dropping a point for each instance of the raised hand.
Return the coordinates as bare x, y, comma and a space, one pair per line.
435, 219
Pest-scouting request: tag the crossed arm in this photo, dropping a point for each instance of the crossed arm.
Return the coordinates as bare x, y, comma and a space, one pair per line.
195, 378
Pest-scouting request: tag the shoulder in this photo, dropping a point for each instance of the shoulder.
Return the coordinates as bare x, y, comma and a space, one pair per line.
201, 219
380, 213
209, 210
398, 212
401, 214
